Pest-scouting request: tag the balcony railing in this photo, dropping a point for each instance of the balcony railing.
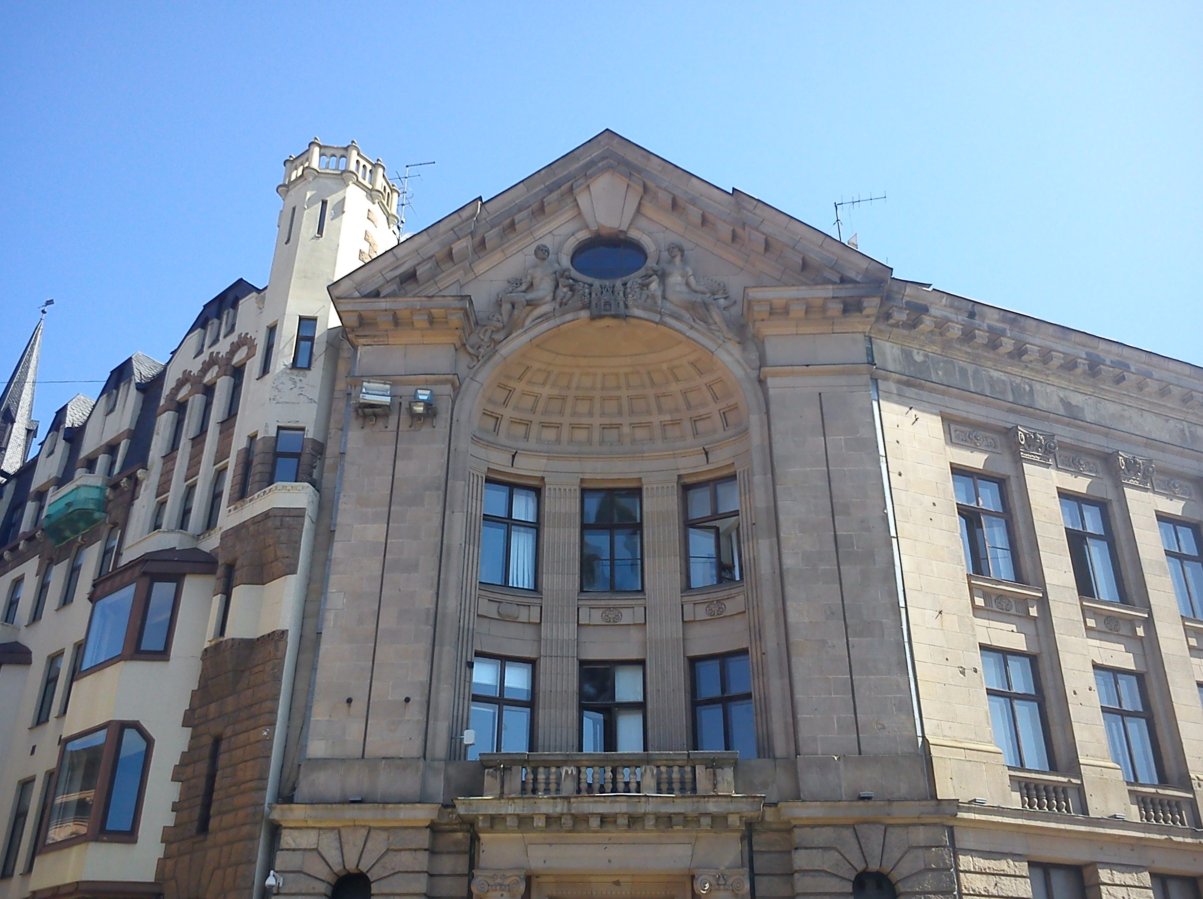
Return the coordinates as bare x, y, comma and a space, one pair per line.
1163, 805
1048, 793
75, 508
531, 774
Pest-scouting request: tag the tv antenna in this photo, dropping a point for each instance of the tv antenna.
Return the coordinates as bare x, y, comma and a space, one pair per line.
406, 198
839, 225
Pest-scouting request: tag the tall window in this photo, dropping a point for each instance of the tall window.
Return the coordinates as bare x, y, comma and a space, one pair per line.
39, 601
722, 704
1091, 549
160, 515
985, 532
16, 827
132, 622
292, 217
269, 349
215, 494
1166, 887
501, 705
321, 219
1056, 882
286, 465
712, 527
206, 411
611, 540
248, 466
14, 600
177, 429
54, 666
237, 376
39, 821
509, 536
302, 356
611, 708
108, 556
186, 506
1016, 716
99, 784
77, 564
1181, 542
73, 672
1129, 724
205, 813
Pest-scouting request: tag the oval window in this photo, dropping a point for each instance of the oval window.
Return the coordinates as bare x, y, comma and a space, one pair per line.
608, 258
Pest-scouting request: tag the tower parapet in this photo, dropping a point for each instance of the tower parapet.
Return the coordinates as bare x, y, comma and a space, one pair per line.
352, 164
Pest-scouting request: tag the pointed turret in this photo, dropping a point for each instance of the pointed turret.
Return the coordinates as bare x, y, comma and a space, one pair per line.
17, 427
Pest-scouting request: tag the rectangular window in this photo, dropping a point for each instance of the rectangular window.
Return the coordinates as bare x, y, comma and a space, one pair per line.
1091, 549
200, 343
723, 717
40, 822
177, 429
99, 784
292, 217
1056, 882
302, 356
237, 375
215, 494
1129, 724
1181, 542
1016, 709
160, 515
77, 564
14, 601
227, 597
135, 621
186, 506
206, 411
321, 219
1166, 887
72, 673
248, 466
286, 464
108, 556
205, 814
502, 693
16, 827
611, 708
985, 528
269, 349
712, 528
509, 536
611, 540
230, 317
39, 601
54, 666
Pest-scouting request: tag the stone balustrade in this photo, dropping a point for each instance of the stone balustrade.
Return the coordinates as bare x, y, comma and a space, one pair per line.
1048, 793
609, 774
1163, 805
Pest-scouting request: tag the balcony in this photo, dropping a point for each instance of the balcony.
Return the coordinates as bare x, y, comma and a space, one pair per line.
1163, 805
521, 775
1043, 792
75, 508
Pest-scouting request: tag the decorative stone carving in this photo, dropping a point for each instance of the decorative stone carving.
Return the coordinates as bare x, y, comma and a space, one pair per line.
1079, 463
536, 286
1036, 446
1111, 623
1172, 487
1004, 603
705, 299
611, 615
715, 608
1135, 470
499, 884
969, 436
724, 883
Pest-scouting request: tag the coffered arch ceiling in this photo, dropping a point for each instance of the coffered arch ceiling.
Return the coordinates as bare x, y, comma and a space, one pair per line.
613, 387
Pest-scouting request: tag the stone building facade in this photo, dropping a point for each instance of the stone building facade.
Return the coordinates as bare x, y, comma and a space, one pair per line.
623, 536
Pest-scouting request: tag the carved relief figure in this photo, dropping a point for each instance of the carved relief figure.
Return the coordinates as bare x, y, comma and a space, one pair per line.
705, 299
537, 286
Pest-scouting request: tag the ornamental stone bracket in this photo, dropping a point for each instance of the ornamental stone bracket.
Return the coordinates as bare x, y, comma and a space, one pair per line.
724, 883
1035, 446
499, 884
828, 308
1135, 471
399, 320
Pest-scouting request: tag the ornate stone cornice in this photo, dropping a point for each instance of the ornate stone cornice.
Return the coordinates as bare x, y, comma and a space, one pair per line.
1134, 470
400, 320
611, 814
830, 308
1035, 446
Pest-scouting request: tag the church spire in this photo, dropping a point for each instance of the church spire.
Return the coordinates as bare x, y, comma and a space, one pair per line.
17, 427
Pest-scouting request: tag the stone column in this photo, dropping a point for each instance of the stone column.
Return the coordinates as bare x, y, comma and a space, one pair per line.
499, 884
664, 674
558, 728
721, 883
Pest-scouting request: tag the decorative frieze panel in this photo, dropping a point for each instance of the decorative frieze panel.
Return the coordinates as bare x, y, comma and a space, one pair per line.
705, 608
505, 608
1035, 446
1111, 620
975, 438
624, 613
1172, 486
989, 595
725, 883
499, 884
1134, 470
1079, 463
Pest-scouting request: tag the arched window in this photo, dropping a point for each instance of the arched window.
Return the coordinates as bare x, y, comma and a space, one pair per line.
353, 886
873, 885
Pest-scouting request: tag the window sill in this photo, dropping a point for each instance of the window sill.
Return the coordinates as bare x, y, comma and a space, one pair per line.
1114, 618
992, 595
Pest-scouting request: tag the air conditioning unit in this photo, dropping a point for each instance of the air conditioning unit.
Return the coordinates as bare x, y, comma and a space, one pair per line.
374, 398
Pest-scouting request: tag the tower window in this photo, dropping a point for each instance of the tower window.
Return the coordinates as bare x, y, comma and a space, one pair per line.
286, 465
269, 348
321, 219
302, 356
292, 218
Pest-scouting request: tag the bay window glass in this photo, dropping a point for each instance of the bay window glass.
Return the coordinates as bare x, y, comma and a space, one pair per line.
611, 708
611, 540
135, 621
99, 784
509, 536
106, 631
502, 690
712, 531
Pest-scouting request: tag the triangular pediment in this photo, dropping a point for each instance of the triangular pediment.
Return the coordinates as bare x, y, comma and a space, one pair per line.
611, 185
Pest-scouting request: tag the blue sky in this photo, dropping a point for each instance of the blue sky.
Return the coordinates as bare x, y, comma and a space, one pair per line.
1040, 157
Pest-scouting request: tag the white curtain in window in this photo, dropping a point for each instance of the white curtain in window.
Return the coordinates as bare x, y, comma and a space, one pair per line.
522, 556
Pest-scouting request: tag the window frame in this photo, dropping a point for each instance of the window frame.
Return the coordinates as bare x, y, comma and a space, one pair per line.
187, 507
234, 398
609, 708
217, 490
206, 396
176, 437
1190, 603
278, 456
611, 528
12, 603
724, 700
77, 655
43, 593
713, 521
139, 611
71, 584
1079, 542
50, 677
972, 519
1172, 886
17, 822
109, 551
107, 772
1012, 696
1046, 873
1124, 715
510, 523
501, 702
304, 349
269, 348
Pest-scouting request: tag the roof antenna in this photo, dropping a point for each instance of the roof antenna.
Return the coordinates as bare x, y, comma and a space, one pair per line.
46, 305
839, 229
406, 199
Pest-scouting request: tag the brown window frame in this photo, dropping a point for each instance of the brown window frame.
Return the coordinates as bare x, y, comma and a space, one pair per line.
17, 822
43, 593
139, 608
107, 770
51, 675
12, 605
